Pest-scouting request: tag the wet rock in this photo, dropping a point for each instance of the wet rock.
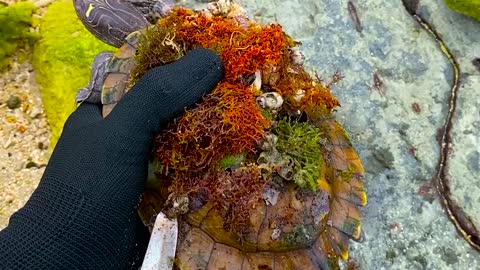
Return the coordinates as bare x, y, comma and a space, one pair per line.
385, 157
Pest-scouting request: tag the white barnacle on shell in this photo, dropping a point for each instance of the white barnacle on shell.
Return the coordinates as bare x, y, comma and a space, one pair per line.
270, 196
270, 101
177, 205
258, 80
227, 8
261, 101
276, 234
299, 95
268, 142
297, 56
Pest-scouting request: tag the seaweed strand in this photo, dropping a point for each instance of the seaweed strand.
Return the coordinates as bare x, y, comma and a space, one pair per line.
462, 222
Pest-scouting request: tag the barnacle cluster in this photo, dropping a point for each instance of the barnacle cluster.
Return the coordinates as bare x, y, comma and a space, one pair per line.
256, 129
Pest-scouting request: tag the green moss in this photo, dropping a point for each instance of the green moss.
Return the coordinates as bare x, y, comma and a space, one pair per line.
231, 161
468, 7
301, 141
150, 54
15, 23
267, 115
62, 60
347, 175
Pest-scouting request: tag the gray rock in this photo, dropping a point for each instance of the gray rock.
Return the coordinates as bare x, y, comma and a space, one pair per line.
384, 127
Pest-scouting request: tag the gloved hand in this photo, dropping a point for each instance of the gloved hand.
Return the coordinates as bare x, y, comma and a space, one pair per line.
82, 215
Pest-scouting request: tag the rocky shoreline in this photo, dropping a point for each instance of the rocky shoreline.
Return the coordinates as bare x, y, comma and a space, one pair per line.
25, 138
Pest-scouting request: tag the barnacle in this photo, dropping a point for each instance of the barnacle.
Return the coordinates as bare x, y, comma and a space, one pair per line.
271, 101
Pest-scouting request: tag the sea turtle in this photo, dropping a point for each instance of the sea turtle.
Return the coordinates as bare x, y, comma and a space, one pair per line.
299, 186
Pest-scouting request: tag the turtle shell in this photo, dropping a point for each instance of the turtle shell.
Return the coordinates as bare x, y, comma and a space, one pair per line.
300, 229
289, 228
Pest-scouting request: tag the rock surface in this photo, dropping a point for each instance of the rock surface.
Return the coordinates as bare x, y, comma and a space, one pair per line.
25, 139
394, 98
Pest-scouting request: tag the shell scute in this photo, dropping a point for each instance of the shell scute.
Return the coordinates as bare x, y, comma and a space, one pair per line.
351, 190
339, 150
258, 261
225, 257
126, 51
299, 259
196, 217
290, 222
121, 65
195, 250
213, 225
338, 241
345, 216
325, 254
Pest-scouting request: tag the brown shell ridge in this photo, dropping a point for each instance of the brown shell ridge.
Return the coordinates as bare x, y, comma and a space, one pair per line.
325, 253
339, 241
203, 212
195, 251
200, 251
344, 175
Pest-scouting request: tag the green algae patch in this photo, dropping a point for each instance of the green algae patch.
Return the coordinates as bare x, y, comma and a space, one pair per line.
468, 7
15, 23
300, 141
232, 161
62, 59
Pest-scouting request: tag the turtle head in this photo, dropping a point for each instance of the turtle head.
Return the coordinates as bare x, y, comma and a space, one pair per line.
110, 20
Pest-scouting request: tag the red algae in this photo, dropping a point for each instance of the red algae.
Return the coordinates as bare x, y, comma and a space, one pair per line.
228, 121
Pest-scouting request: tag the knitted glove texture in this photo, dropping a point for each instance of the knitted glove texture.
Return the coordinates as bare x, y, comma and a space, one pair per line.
82, 215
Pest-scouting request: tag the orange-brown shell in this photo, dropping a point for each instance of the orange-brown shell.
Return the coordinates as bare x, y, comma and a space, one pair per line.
302, 230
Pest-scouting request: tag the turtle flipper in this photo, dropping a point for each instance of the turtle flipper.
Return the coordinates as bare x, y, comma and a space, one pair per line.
110, 20
93, 91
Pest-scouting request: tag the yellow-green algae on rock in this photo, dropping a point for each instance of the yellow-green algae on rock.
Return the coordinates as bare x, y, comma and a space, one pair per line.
468, 7
15, 23
62, 60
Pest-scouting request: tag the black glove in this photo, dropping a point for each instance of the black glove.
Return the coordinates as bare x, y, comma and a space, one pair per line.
82, 215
